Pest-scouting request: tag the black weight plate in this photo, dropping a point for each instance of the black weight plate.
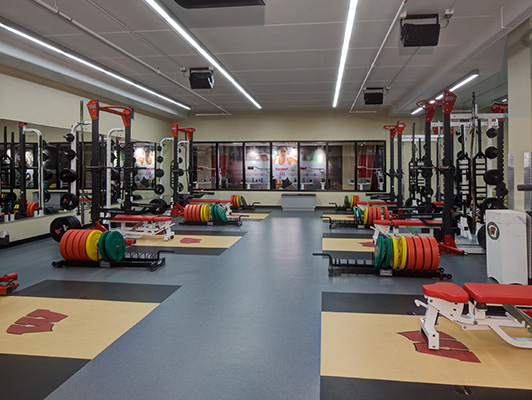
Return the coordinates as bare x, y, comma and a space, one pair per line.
60, 225
243, 202
159, 173
180, 172
69, 154
160, 159
47, 174
180, 160
491, 133
158, 207
69, 201
181, 187
69, 137
159, 148
115, 174
493, 177
68, 175
492, 203
158, 189
491, 152
47, 196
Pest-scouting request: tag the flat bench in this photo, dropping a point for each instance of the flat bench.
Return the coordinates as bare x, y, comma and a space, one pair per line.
136, 226
448, 299
387, 227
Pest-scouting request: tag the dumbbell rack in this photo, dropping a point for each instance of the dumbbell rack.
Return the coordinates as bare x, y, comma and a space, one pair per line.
153, 261
339, 266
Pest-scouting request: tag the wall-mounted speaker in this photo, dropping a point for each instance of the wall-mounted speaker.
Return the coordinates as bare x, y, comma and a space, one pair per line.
418, 35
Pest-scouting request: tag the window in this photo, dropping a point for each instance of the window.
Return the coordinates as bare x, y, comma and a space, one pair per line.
230, 165
205, 162
341, 166
284, 166
312, 168
370, 166
257, 166
144, 162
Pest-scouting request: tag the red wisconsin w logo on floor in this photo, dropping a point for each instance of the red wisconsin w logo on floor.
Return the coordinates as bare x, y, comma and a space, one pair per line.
36, 321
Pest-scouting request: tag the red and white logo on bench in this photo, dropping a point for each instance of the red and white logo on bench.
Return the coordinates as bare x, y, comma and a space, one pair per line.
36, 321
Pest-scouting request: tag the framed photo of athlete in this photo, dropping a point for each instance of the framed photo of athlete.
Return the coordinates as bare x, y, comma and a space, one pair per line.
284, 165
144, 162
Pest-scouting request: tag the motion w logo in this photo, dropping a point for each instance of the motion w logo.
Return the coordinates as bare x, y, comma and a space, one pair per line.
36, 321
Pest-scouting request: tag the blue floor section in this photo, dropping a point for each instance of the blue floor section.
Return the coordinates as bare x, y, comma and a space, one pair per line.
244, 324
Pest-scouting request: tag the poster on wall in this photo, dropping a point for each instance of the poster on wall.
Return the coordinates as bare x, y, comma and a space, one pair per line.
284, 165
143, 155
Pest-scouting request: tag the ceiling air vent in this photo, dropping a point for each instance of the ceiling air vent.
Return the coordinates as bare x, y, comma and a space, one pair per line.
219, 3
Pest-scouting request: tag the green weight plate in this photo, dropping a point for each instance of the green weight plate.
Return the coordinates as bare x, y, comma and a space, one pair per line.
388, 243
379, 252
101, 246
221, 214
213, 213
359, 217
115, 246
355, 214
346, 202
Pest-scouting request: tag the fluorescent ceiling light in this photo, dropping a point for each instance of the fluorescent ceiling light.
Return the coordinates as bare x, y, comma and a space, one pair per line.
91, 65
468, 78
345, 48
184, 33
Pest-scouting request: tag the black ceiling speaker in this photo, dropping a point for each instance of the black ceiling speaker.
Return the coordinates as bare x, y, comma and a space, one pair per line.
373, 96
417, 35
201, 78
219, 3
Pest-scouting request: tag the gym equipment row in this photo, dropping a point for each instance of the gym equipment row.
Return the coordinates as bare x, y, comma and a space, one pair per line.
203, 214
407, 256
239, 202
349, 203
361, 218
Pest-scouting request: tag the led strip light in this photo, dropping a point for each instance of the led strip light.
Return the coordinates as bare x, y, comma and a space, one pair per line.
183, 32
91, 65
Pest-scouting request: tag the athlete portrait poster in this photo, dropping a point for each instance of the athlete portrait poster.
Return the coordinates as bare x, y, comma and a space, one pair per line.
284, 166
144, 156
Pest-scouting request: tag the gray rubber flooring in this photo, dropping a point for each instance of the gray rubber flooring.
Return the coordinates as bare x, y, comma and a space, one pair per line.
243, 325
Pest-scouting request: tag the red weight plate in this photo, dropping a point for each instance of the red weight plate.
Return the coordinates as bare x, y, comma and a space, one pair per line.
187, 211
411, 253
379, 213
435, 253
74, 244
386, 213
197, 210
427, 253
82, 245
62, 244
233, 204
419, 253
370, 215
69, 248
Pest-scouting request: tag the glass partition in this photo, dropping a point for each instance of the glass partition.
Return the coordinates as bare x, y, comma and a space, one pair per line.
341, 166
370, 166
313, 164
257, 166
230, 165
205, 162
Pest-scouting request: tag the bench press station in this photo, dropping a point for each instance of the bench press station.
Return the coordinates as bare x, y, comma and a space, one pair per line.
448, 299
136, 226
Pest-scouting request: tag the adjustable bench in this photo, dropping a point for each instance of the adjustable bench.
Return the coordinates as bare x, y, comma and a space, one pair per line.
448, 299
136, 226
385, 226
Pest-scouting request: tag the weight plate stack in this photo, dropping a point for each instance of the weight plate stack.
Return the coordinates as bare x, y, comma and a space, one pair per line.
101, 246
61, 225
365, 219
388, 253
427, 254
419, 253
394, 263
411, 253
435, 251
82, 245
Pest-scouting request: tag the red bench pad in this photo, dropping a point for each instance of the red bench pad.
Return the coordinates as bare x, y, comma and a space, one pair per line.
208, 201
446, 291
500, 294
382, 222
141, 218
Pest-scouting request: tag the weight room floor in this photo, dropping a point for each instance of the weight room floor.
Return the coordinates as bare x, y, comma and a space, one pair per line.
245, 324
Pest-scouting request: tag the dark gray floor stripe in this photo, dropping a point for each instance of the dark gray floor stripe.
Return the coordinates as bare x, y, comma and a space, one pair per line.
371, 303
199, 251
207, 232
348, 235
100, 291
34, 378
336, 388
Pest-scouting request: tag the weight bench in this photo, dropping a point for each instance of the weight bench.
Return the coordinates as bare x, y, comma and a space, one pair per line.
448, 299
386, 226
136, 226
